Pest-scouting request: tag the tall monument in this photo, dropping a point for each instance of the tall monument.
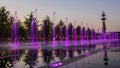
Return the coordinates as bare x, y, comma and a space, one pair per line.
104, 46
103, 19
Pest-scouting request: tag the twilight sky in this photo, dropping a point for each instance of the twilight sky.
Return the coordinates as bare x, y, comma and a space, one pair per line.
86, 11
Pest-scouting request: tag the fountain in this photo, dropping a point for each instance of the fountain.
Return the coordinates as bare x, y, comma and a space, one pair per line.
61, 33
74, 32
14, 30
33, 28
86, 33
66, 28
66, 43
81, 33
53, 31
54, 35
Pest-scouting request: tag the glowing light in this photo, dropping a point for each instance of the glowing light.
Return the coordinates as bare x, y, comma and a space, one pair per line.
56, 64
87, 54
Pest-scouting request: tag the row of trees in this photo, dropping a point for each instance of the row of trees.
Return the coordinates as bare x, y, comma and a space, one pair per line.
6, 21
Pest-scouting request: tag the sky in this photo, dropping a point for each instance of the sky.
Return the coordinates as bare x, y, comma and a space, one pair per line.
86, 11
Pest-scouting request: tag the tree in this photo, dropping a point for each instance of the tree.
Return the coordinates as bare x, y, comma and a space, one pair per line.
59, 29
5, 22
70, 28
58, 32
89, 33
78, 31
62, 29
83, 33
64, 32
22, 31
28, 22
47, 28
93, 33
61, 23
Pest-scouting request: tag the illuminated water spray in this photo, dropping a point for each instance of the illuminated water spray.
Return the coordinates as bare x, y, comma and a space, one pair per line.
74, 32
14, 30
54, 35
33, 27
86, 33
66, 37
81, 33
53, 31
66, 28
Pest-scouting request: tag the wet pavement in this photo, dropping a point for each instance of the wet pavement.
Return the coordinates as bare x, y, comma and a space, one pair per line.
97, 61
35, 55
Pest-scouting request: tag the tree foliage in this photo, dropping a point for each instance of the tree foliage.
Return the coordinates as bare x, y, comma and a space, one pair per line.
5, 22
47, 28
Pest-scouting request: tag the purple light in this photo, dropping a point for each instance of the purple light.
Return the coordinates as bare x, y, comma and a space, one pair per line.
66, 28
35, 45
74, 30
54, 43
66, 43
14, 31
87, 54
60, 33
54, 32
59, 63
15, 44
56, 64
33, 28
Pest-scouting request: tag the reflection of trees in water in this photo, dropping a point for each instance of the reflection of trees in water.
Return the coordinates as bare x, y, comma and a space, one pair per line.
88, 48
47, 55
61, 53
70, 52
8, 58
6, 62
13, 56
31, 58
79, 51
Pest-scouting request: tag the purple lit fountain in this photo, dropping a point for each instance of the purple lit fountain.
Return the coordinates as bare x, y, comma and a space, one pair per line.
92, 35
74, 32
86, 33
54, 27
61, 33
66, 43
66, 28
14, 30
33, 28
81, 33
